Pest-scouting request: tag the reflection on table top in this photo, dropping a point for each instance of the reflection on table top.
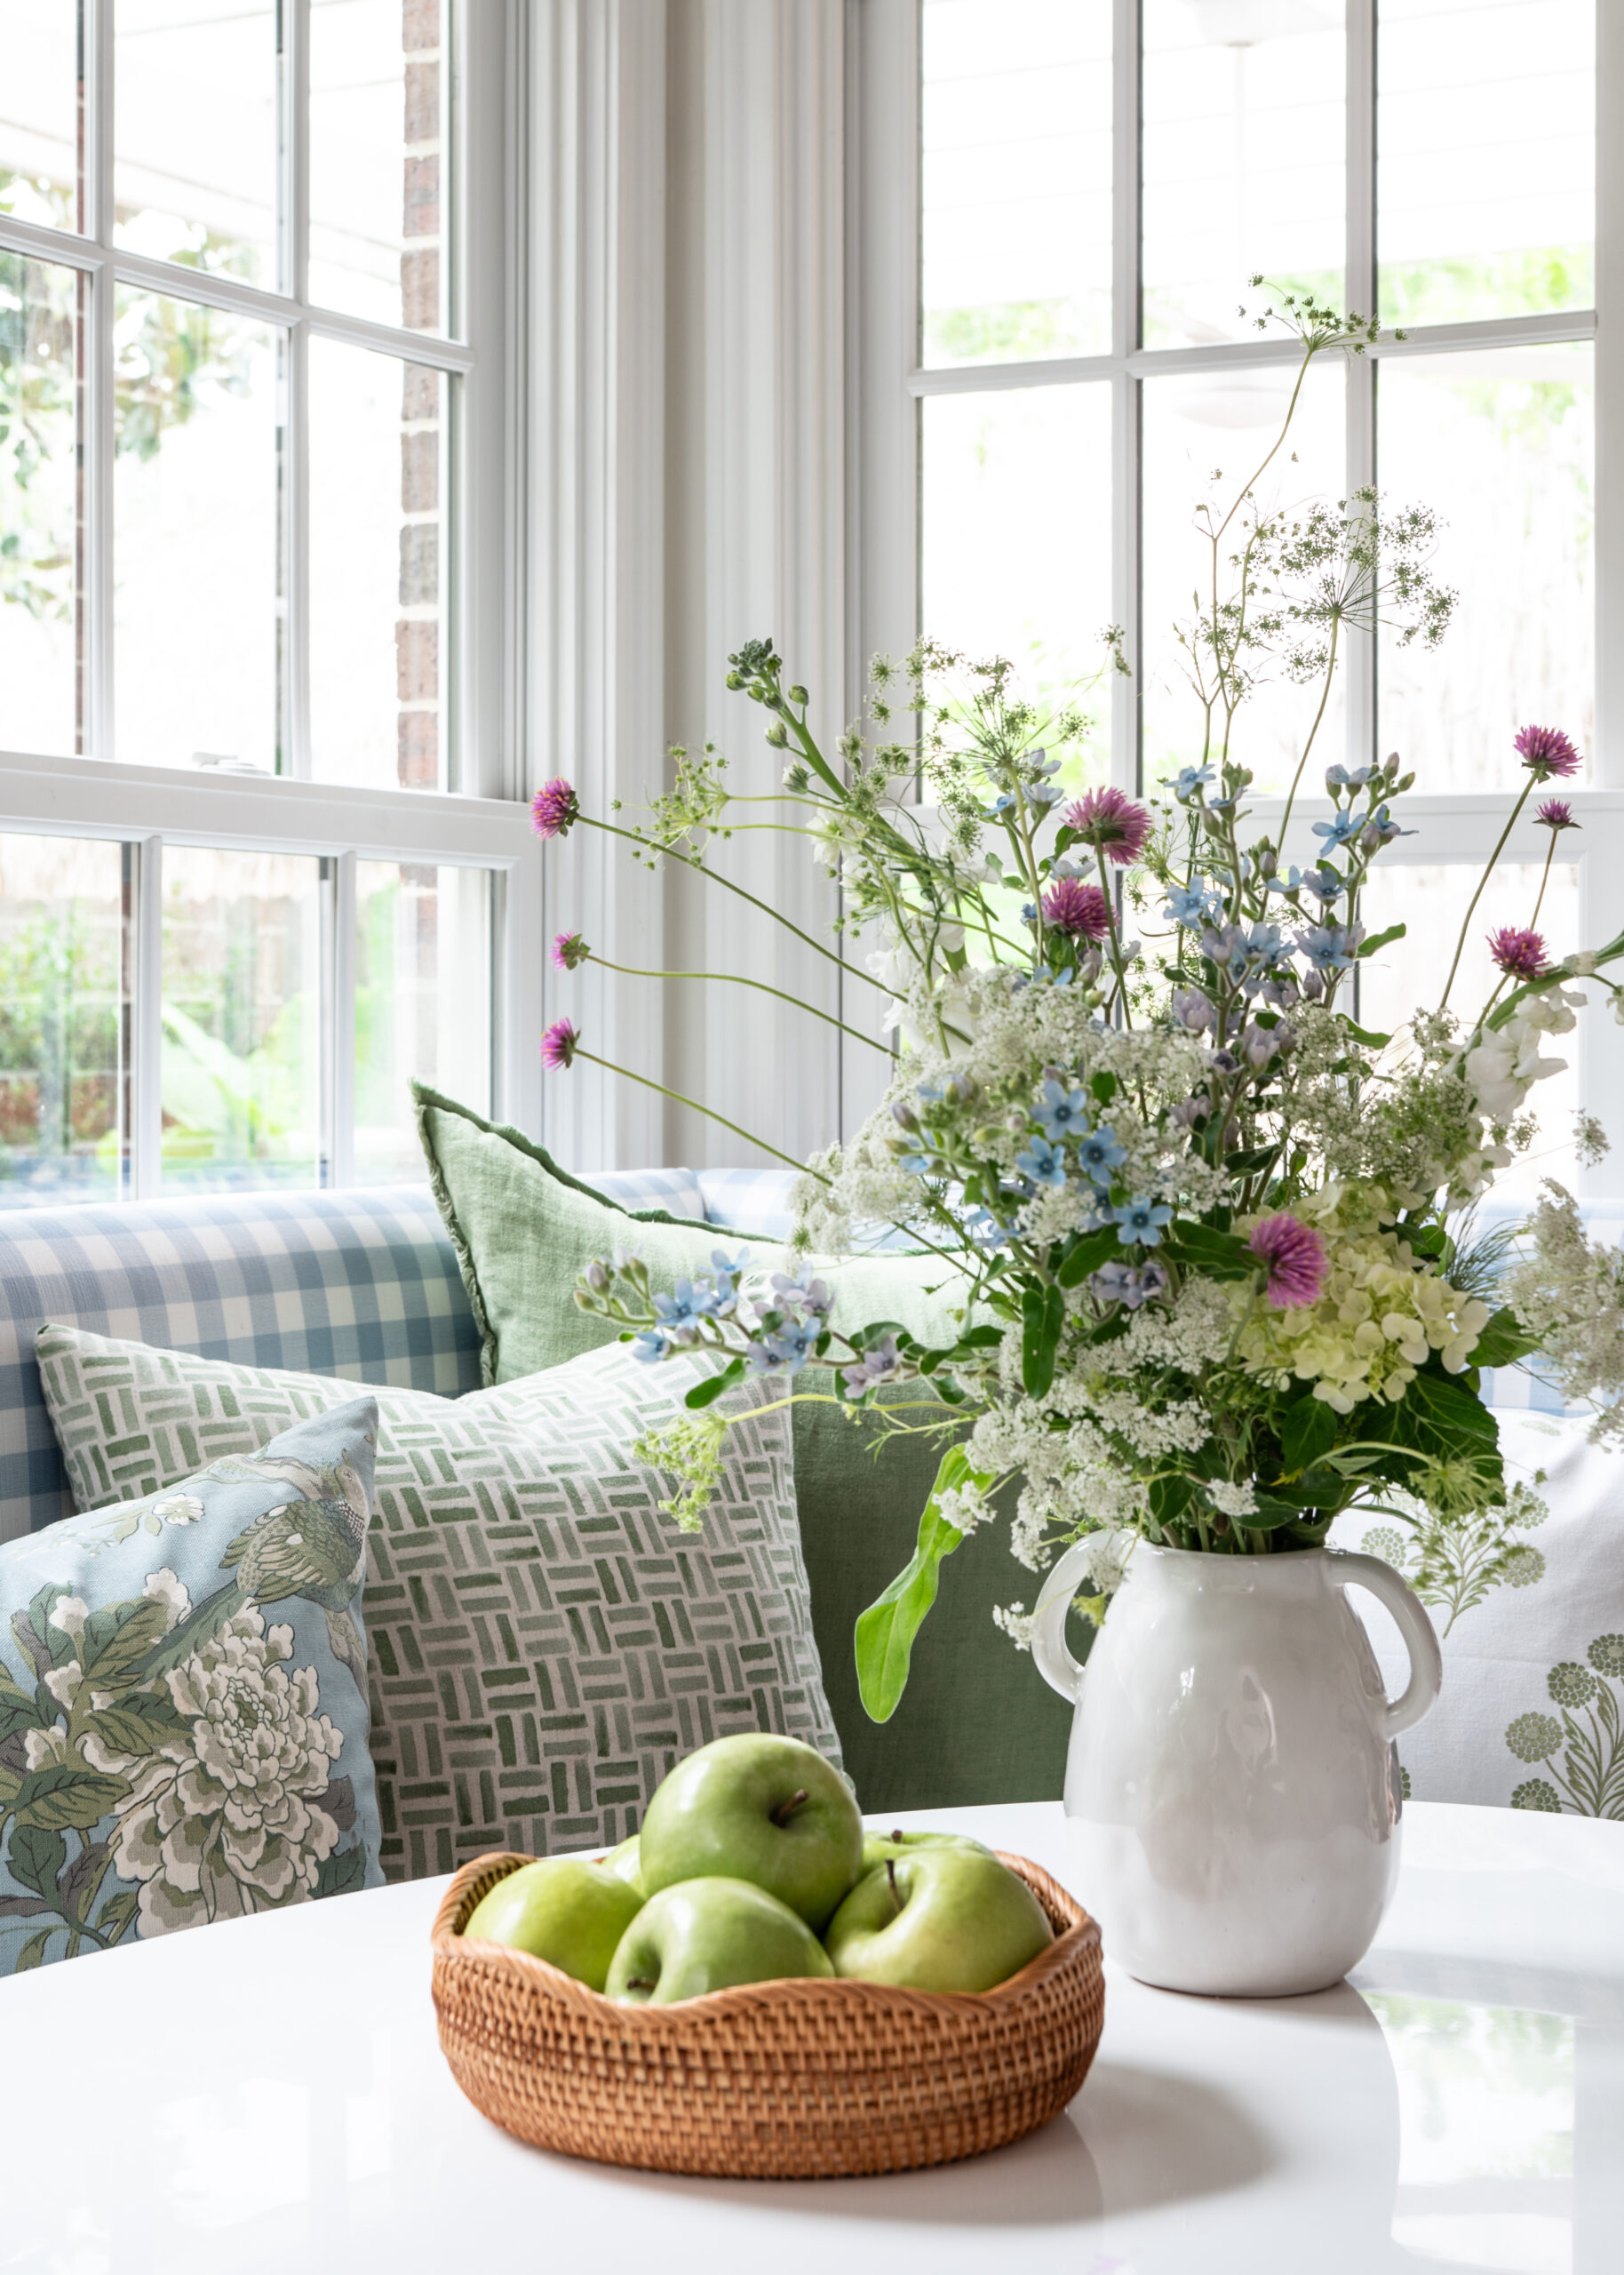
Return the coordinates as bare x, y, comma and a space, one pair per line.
270, 2094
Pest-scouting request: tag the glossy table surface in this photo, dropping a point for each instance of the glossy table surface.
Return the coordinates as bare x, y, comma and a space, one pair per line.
269, 2093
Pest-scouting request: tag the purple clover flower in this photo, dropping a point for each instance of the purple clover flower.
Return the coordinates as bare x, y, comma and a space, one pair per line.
1556, 813
568, 949
559, 1045
1548, 753
555, 808
1293, 1256
1519, 953
1077, 908
1109, 820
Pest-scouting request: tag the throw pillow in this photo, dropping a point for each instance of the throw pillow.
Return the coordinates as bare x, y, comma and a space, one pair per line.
1531, 1618
183, 1719
976, 1724
544, 1643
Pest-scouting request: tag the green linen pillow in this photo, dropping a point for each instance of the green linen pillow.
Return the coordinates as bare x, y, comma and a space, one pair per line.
543, 1644
183, 1710
976, 1724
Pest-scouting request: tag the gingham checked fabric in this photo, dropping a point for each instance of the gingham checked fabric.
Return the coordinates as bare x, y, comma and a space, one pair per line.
361, 1283
755, 1201
677, 1192
541, 1643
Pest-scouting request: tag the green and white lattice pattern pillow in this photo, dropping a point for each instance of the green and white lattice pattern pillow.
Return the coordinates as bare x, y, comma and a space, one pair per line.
543, 1643
1530, 1613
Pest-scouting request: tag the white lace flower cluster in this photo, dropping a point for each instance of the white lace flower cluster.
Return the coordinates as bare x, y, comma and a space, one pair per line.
1569, 1291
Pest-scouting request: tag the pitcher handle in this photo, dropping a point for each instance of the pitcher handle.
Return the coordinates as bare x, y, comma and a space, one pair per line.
1410, 1616
1050, 1649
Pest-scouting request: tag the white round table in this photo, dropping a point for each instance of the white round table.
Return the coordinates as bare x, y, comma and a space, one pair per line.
269, 2094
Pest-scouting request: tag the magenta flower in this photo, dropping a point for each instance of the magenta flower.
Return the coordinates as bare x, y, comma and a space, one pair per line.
1294, 1255
1069, 906
554, 808
1547, 751
559, 1045
1556, 813
1519, 953
1109, 820
570, 949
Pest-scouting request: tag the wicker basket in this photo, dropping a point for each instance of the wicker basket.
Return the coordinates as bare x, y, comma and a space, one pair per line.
786, 2080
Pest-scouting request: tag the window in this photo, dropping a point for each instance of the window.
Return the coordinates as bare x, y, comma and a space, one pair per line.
253, 377
1098, 181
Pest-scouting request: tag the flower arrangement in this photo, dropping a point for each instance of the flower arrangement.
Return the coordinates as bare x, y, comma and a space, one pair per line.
1207, 1237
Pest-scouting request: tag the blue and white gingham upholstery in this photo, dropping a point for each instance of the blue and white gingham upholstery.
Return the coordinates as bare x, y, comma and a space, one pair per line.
753, 1201
362, 1283
675, 1191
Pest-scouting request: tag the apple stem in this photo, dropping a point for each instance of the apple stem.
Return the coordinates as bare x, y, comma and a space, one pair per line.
641, 1982
785, 1811
891, 1876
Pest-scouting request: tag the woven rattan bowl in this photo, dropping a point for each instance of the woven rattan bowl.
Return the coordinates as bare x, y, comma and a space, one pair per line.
773, 2080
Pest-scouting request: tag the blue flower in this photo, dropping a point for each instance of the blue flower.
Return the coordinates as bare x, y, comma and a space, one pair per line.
1339, 777
1386, 829
1341, 829
1043, 1163
1323, 882
803, 1293
1190, 905
1060, 1112
1140, 1221
649, 1345
687, 1305
1328, 947
1188, 780
1101, 1154
1046, 794
790, 1346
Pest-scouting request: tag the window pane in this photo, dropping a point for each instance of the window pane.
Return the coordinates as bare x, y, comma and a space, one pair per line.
197, 605
1015, 552
39, 132
1244, 159
378, 528
1486, 135
241, 1018
1016, 104
62, 1020
1206, 435
422, 1005
380, 83
1502, 443
1409, 976
197, 128
40, 585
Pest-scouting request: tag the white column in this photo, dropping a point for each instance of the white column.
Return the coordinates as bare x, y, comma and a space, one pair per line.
595, 516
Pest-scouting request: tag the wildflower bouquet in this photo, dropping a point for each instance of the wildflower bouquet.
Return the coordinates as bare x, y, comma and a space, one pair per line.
1203, 1234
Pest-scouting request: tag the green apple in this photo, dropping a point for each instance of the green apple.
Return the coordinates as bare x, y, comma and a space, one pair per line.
940, 1919
625, 1861
706, 1935
877, 1846
752, 1808
567, 1909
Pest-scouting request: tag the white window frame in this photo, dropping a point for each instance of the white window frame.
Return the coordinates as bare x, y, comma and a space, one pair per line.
482, 824
890, 384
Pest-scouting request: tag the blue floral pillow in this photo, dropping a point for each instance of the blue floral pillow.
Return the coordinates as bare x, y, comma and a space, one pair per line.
183, 1701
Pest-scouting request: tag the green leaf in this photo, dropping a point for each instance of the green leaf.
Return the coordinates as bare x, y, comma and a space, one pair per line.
33, 1952
116, 1640
1220, 1256
1447, 1417
1502, 1340
1169, 1498
1253, 1160
65, 1794
1363, 1034
1043, 1314
1308, 1431
1269, 1514
77, 1887
707, 1392
884, 1633
1086, 1254
22, 1907
116, 1914
17, 1708
342, 1872
1381, 940
37, 1857
124, 1729
56, 1641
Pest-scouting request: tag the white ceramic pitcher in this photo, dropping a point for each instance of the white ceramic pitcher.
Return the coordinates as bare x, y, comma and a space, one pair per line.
1232, 1785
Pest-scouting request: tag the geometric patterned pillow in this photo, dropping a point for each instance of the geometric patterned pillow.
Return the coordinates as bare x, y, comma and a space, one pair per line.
543, 1644
183, 1721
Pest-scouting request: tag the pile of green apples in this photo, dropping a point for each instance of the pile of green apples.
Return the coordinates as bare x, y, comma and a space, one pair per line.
752, 1865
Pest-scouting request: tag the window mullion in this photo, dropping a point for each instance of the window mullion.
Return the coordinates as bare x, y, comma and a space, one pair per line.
1359, 664
147, 1047
1608, 755
1126, 45
338, 1016
295, 595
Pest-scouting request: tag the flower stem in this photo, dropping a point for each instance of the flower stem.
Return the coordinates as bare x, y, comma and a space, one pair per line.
1483, 880
716, 878
709, 1111
737, 979
1544, 881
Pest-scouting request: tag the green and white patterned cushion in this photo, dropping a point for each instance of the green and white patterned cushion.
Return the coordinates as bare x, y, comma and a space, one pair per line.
543, 1643
1531, 1618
